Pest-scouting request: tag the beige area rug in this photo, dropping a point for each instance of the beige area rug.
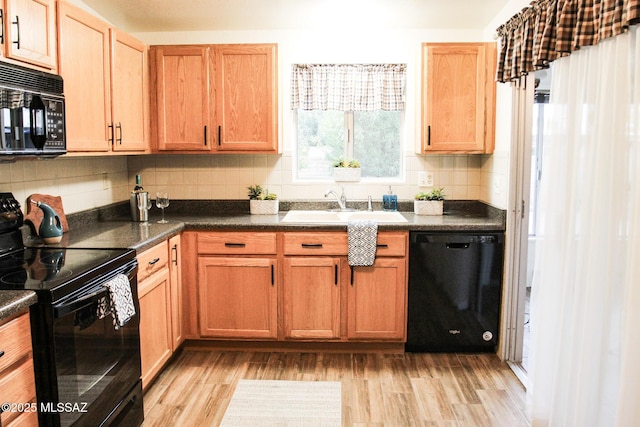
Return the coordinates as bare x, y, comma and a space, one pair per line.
285, 403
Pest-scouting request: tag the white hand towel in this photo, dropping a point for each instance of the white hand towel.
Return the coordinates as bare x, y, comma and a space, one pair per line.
362, 237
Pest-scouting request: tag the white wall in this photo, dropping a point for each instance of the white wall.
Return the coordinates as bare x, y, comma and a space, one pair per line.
495, 169
81, 184
191, 176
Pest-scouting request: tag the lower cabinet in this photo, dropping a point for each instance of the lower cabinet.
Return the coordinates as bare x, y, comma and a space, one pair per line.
296, 286
17, 380
376, 300
160, 295
312, 291
238, 297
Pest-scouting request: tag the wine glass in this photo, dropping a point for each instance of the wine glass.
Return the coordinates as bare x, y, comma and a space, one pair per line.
162, 201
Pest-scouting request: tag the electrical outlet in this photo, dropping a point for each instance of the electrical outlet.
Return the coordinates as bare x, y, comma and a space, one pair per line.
105, 181
425, 179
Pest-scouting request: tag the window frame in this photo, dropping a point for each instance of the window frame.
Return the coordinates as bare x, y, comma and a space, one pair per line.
349, 149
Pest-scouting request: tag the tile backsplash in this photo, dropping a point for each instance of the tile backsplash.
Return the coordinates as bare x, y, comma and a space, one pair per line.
82, 182
228, 176
88, 182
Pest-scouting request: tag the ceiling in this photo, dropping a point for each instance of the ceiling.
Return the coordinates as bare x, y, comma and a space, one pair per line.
201, 15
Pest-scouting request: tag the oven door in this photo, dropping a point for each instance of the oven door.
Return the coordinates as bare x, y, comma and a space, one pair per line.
97, 366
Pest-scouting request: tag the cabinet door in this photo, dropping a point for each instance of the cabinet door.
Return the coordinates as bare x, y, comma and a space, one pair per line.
456, 97
128, 92
377, 300
175, 271
311, 298
155, 324
84, 63
30, 29
238, 297
246, 97
181, 98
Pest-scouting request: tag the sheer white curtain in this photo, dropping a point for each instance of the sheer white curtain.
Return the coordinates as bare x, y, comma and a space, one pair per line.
585, 362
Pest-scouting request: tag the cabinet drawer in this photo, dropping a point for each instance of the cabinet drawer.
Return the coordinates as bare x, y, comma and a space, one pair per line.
15, 340
17, 386
241, 243
320, 243
152, 260
391, 244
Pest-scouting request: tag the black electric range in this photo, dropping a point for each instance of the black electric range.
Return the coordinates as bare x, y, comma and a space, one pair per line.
87, 369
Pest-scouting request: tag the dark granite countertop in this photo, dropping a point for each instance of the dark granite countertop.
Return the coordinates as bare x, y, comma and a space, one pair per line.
13, 302
120, 232
111, 227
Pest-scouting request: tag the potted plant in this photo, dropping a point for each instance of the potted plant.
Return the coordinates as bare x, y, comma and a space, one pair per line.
346, 170
261, 202
429, 203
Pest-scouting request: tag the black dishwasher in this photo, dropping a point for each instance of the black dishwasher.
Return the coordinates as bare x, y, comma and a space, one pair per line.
455, 289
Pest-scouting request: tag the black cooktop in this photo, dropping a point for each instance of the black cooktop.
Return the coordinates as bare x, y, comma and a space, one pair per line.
53, 271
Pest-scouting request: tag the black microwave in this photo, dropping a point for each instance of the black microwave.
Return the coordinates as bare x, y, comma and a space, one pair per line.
31, 113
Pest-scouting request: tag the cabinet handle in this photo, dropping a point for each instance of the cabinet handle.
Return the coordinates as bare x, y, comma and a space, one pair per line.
111, 133
17, 24
205, 135
311, 245
154, 261
352, 269
382, 246
273, 279
119, 127
234, 245
1, 353
219, 135
429, 135
335, 274
1, 26
174, 249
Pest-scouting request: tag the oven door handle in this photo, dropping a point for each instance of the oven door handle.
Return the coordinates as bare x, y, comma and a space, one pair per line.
75, 305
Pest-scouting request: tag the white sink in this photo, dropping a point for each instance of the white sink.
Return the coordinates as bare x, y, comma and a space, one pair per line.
337, 217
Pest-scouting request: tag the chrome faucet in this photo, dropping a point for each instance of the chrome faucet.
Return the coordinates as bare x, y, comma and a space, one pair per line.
369, 205
341, 203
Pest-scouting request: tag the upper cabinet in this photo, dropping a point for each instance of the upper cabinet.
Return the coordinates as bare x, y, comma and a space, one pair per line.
129, 93
246, 98
181, 98
28, 32
105, 77
215, 98
458, 97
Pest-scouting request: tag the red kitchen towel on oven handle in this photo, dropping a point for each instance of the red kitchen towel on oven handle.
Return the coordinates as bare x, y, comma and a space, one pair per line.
119, 301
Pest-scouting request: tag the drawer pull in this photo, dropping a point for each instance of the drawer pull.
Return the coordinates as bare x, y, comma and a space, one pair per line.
382, 246
234, 245
311, 245
1, 353
154, 262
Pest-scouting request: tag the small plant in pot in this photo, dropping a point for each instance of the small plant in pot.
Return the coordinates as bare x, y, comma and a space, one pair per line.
429, 203
346, 170
261, 202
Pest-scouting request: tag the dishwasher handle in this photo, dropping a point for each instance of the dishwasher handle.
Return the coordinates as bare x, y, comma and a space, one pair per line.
457, 245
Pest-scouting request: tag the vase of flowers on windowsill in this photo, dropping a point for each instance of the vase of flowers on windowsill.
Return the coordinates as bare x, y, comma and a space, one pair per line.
429, 203
261, 202
346, 170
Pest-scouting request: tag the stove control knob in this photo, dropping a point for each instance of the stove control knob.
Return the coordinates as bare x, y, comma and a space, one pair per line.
14, 204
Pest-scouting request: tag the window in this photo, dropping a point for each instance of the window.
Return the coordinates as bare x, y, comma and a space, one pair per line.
350, 112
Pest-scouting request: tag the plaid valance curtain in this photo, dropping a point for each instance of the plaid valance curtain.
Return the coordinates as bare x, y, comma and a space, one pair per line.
549, 29
348, 87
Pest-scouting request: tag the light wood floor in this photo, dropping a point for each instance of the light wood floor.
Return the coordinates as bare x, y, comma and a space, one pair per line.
377, 390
